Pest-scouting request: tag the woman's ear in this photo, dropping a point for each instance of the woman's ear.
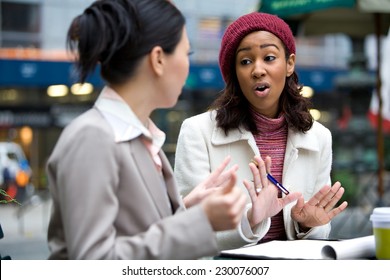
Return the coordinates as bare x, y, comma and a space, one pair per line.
156, 57
290, 65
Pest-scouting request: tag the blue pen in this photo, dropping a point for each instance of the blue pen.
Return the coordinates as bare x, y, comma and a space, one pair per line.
276, 183
273, 180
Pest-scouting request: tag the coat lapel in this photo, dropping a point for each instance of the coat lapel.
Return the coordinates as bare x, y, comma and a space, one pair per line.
170, 182
153, 182
295, 142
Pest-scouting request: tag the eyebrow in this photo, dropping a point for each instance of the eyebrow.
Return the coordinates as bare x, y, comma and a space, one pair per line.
263, 46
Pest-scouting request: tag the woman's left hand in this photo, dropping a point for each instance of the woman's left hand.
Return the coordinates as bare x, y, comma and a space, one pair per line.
320, 209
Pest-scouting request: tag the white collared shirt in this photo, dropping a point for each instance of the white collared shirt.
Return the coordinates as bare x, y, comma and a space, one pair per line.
126, 125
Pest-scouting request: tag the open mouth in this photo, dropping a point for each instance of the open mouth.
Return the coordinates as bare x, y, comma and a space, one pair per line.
261, 87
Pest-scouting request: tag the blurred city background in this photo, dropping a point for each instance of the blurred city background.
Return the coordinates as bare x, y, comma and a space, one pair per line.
337, 61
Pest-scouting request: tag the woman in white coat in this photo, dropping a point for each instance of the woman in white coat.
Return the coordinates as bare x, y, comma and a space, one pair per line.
261, 115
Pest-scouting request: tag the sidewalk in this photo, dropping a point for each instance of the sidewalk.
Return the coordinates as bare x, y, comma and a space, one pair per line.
25, 229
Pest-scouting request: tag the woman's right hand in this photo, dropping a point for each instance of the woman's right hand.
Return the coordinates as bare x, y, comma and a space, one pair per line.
225, 206
219, 177
264, 194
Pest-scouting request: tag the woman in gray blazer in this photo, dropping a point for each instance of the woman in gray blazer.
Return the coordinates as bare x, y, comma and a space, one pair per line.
114, 194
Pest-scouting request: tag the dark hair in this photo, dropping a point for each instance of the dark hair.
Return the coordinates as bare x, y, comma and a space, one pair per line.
232, 106
117, 33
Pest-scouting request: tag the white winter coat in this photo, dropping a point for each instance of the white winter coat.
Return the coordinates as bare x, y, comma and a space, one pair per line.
202, 146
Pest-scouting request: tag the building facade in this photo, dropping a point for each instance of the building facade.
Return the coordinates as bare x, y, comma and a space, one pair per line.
34, 64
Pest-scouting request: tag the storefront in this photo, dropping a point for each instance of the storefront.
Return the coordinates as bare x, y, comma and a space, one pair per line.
32, 114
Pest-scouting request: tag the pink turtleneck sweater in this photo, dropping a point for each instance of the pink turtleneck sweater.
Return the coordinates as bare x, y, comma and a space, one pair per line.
271, 141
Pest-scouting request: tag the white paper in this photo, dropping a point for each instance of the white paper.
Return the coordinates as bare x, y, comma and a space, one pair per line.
356, 248
362, 247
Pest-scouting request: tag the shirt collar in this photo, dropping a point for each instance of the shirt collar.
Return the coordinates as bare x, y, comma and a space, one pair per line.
124, 122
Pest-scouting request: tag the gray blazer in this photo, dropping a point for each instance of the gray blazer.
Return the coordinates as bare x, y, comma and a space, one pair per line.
109, 202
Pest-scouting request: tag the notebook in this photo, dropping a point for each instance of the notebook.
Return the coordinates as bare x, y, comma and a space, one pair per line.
355, 248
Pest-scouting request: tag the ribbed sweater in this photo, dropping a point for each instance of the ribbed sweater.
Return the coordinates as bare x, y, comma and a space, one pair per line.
271, 141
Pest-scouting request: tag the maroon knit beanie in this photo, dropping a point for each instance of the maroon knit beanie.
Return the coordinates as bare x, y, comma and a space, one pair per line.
244, 25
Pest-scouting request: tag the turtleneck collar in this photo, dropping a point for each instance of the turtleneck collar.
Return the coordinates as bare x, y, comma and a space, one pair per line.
267, 125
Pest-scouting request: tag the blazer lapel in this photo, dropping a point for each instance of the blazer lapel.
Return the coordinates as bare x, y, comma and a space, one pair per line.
153, 182
170, 182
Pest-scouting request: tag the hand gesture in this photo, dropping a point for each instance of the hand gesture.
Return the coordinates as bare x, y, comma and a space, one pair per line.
320, 209
215, 180
225, 206
264, 194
